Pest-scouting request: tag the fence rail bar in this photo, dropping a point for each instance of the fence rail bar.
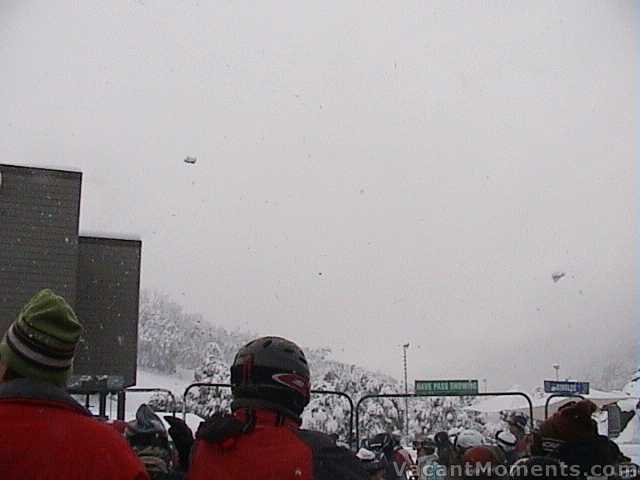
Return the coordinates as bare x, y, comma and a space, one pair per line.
558, 395
159, 390
227, 385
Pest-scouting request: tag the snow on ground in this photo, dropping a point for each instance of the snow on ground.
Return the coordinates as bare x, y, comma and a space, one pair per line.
148, 379
629, 439
631, 433
177, 383
516, 403
633, 387
631, 450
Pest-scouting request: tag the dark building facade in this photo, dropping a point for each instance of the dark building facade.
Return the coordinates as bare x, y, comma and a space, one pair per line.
39, 215
108, 302
100, 277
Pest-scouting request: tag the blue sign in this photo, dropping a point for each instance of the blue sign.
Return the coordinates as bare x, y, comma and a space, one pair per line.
572, 388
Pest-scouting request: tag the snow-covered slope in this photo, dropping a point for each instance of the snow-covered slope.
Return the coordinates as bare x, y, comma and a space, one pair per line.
633, 387
177, 348
176, 383
631, 433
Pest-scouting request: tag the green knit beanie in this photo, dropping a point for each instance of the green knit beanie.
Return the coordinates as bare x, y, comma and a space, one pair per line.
41, 343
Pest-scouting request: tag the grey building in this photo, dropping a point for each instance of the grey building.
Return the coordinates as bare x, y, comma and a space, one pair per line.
39, 216
107, 302
100, 277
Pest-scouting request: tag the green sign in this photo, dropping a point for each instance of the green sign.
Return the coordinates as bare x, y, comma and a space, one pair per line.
446, 387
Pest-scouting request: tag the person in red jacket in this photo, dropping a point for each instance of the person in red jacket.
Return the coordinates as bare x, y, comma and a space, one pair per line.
262, 439
44, 433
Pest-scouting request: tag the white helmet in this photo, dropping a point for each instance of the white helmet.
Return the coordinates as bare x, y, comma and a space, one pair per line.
365, 455
469, 439
506, 440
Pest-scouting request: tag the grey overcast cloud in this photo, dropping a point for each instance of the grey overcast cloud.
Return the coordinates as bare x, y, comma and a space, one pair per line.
367, 173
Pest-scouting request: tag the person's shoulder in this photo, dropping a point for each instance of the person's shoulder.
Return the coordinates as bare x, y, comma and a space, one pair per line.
98, 428
316, 438
403, 454
331, 460
321, 443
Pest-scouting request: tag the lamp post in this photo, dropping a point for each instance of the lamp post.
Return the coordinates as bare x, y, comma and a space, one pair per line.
405, 347
557, 369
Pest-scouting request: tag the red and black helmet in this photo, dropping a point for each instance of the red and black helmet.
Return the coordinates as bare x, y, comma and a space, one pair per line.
271, 372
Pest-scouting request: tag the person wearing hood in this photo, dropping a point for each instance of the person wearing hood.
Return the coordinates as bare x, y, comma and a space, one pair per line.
427, 459
444, 449
517, 423
372, 463
482, 463
465, 440
45, 433
571, 436
507, 442
149, 439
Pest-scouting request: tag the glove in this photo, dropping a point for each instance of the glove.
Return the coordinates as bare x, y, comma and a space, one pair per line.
182, 437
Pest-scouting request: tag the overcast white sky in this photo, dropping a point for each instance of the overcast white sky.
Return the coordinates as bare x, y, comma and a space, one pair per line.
369, 173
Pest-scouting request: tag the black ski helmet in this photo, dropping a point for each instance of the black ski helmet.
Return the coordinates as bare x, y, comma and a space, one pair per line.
271, 372
147, 430
381, 442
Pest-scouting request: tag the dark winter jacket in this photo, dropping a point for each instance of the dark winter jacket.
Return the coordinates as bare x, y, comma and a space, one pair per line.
585, 454
46, 435
267, 446
446, 453
599, 451
169, 476
523, 448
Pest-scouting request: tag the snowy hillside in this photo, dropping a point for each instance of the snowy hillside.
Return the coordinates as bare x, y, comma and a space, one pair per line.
178, 348
633, 387
173, 344
176, 383
170, 339
327, 413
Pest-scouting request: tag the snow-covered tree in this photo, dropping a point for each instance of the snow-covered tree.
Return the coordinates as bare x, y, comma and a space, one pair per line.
172, 339
206, 401
633, 387
169, 338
